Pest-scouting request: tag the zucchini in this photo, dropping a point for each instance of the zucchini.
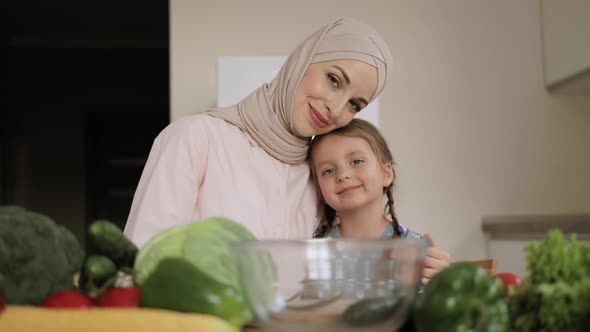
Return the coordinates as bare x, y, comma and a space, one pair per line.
373, 310
108, 239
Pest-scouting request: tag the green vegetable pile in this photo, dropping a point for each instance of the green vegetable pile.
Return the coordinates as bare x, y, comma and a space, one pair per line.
556, 294
192, 268
111, 253
37, 256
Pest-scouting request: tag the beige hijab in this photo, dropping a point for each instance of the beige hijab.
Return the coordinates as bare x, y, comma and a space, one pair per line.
266, 114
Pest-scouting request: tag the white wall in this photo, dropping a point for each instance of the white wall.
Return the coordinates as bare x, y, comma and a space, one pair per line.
472, 129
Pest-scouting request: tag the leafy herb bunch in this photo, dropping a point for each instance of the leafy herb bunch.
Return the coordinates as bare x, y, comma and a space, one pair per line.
555, 296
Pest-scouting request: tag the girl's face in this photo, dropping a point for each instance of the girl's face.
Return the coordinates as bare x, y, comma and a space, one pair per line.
330, 95
349, 174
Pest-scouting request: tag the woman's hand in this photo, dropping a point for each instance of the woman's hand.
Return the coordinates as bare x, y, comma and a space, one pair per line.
436, 260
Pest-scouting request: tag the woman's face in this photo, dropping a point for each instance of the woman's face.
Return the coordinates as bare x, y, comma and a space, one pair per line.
330, 95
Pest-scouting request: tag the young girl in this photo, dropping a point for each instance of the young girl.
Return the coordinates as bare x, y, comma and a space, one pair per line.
353, 168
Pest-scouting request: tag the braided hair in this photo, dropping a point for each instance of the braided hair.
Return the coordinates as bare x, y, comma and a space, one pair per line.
367, 131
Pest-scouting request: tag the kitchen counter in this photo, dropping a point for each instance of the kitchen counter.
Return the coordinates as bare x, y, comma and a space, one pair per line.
535, 227
508, 236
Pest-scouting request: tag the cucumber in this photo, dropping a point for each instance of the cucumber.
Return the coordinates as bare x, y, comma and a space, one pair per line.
98, 274
108, 239
99, 268
373, 310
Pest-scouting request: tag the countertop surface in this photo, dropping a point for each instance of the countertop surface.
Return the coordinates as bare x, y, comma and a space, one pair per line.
533, 226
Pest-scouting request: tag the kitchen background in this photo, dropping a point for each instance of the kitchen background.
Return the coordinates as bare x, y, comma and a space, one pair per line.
474, 130
88, 90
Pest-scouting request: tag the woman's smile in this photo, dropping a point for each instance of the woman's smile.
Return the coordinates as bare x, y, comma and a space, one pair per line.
317, 118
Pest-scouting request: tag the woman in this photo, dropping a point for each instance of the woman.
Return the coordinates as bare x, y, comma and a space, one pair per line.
247, 162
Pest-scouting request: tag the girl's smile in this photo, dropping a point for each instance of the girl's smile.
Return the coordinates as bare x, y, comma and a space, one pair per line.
347, 190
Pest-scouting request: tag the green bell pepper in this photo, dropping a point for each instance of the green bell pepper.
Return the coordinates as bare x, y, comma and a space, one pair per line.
462, 298
176, 284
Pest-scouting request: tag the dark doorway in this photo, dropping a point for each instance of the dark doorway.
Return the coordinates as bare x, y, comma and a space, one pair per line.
88, 88
116, 152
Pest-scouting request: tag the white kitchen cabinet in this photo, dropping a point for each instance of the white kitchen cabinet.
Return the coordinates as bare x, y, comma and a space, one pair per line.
566, 45
510, 255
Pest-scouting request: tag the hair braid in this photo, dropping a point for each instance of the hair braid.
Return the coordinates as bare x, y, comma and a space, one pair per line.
326, 223
389, 209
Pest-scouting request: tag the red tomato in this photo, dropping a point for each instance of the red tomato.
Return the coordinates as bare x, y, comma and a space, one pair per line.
509, 280
119, 297
2, 306
67, 299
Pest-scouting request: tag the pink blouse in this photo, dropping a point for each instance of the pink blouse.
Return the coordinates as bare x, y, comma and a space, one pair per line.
201, 166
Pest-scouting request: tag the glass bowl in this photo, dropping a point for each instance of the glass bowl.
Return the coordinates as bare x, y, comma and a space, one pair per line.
328, 284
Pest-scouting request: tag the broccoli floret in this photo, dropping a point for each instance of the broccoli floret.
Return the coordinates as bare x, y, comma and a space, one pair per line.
37, 256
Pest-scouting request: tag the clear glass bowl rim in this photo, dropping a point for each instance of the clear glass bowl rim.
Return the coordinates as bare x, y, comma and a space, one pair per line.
249, 245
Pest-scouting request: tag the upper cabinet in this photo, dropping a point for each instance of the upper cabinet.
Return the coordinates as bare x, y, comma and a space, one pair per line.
566, 46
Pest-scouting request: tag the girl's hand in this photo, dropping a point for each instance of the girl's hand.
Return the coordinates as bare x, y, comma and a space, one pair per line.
436, 260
